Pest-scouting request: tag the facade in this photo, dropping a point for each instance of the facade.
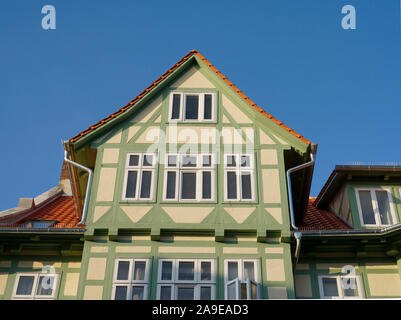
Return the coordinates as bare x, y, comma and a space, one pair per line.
187, 192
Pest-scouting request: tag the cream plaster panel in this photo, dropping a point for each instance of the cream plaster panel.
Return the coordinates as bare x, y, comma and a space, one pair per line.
133, 249
225, 120
264, 138
132, 131
5, 264
232, 135
373, 265
37, 264
110, 155
150, 135
116, 138
93, 293
133, 238
271, 186
3, 282
249, 133
192, 79
188, 214
234, 111
71, 284
96, 269
268, 157
136, 213
277, 250
148, 111
100, 249
277, 292
74, 265
107, 182
334, 266
239, 250
100, 212
239, 239
25, 264
187, 250
385, 285
187, 238
303, 287
276, 214
239, 214
191, 135
275, 270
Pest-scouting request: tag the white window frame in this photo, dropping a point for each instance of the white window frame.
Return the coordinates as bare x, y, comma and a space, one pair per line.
238, 172
130, 282
201, 106
375, 206
140, 168
241, 278
197, 283
198, 170
33, 295
339, 278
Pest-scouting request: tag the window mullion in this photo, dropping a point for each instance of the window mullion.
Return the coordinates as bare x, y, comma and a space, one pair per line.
375, 206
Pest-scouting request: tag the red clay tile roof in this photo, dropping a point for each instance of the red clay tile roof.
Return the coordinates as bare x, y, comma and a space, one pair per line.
317, 219
61, 209
165, 75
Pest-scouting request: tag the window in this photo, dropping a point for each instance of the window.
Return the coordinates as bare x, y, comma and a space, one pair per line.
241, 279
375, 207
35, 286
131, 279
40, 223
139, 176
185, 106
239, 177
186, 279
340, 286
189, 177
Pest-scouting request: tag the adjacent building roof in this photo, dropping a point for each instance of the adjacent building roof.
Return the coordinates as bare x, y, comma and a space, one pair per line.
166, 75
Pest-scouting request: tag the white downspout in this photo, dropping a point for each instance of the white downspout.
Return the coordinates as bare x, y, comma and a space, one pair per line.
88, 187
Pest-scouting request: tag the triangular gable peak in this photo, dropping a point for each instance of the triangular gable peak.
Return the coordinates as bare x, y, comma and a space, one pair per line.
183, 74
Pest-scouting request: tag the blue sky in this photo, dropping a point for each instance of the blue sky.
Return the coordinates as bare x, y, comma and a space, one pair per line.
339, 88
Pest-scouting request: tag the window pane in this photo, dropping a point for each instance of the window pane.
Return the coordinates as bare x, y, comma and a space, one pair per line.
185, 293
249, 271
246, 185
191, 108
188, 186
330, 287
244, 294
352, 289
384, 207
146, 184
232, 270
167, 270
206, 270
206, 161
139, 270
231, 161
45, 286
254, 290
171, 161
131, 184
367, 208
170, 192
245, 161
175, 112
206, 185
165, 293
121, 293
189, 161
232, 291
138, 292
133, 160
231, 185
208, 107
206, 293
123, 270
41, 224
25, 285
186, 270
147, 160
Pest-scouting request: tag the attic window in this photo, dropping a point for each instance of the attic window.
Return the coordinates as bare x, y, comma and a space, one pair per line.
187, 106
40, 223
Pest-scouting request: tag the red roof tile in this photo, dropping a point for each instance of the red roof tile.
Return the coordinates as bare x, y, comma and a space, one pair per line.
167, 73
317, 219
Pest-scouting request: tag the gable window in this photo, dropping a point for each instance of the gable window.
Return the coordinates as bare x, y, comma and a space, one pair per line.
35, 286
131, 279
241, 279
375, 207
139, 176
239, 182
340, 286
185, 106
40, 223
189, 177
186, 279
